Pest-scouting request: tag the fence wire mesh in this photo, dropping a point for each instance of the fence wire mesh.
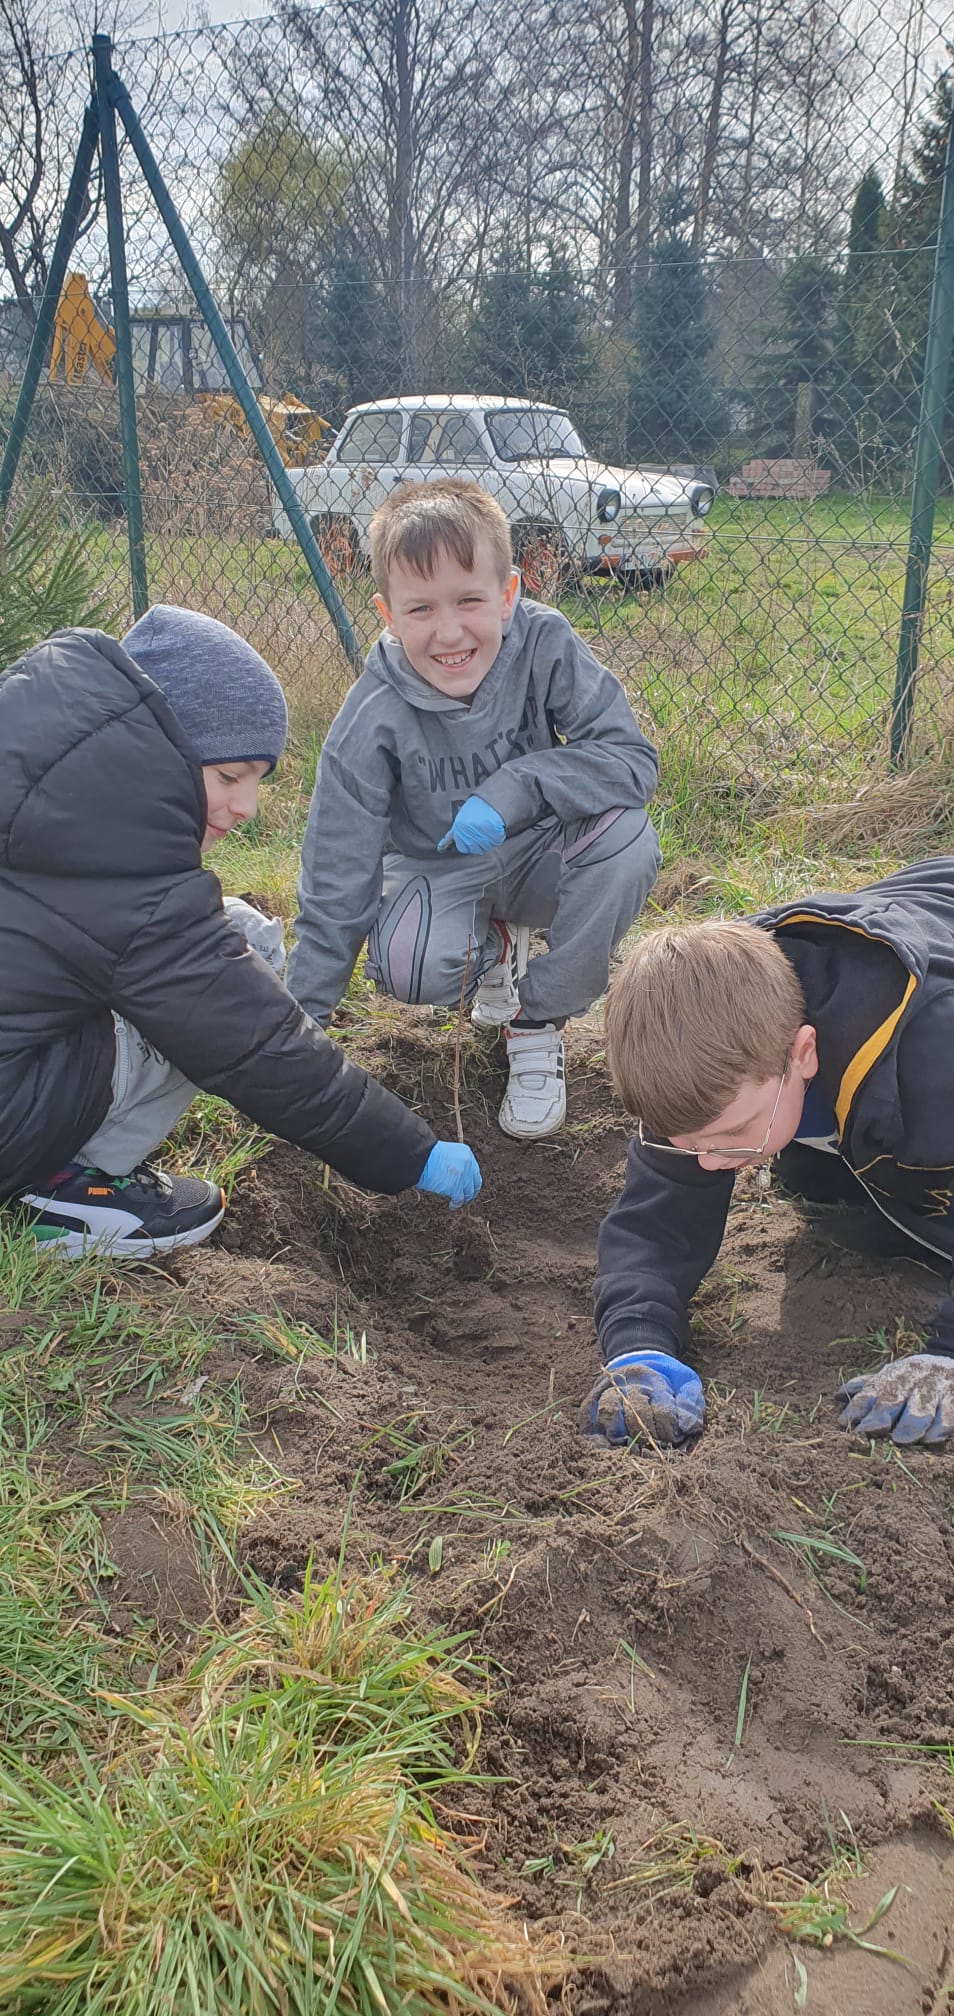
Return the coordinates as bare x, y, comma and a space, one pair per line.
657, 273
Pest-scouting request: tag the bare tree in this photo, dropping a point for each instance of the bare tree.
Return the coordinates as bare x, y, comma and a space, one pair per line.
710, 147
29, 179
44, 83
408, 90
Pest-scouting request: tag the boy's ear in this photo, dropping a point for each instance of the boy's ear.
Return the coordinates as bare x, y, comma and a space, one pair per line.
510, 595
383, 610
804, 1051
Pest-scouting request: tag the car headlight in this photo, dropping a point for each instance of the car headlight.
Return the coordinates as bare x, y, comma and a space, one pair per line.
701, 498
608, 504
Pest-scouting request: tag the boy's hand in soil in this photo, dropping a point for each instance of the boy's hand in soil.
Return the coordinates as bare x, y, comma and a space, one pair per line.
911, 1400
477, 828
450, 1171
644, 1396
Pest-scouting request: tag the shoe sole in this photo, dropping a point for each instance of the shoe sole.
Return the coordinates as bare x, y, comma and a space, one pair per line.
112, 1246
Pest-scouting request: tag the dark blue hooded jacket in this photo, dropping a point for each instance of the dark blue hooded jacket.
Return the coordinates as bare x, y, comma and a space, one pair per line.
877, 972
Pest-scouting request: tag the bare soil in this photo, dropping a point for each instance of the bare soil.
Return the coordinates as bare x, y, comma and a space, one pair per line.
619, 1597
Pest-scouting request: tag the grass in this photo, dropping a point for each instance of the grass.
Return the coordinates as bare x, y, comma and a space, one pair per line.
813, 1550
769, 1417
262, 1833
297, 1342
216, 1141
571, 1864
815, 1911
53, 1656
740, 1713
268, 1841
419, 1459
117, 1379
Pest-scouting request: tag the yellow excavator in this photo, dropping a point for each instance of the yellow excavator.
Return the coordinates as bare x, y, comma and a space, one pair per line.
175, 353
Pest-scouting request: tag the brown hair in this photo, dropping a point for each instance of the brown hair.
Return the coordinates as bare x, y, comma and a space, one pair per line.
697, 1010
420, 522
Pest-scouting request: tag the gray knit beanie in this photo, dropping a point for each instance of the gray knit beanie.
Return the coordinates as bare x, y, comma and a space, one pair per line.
223, 695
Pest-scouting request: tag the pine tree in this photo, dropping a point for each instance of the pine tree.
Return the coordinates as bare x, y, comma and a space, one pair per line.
918, 214
798, 349
528, 337
353, 336
863, 404
674, 405
49, 579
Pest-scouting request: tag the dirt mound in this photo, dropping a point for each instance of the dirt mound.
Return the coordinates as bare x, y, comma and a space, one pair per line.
693, 1659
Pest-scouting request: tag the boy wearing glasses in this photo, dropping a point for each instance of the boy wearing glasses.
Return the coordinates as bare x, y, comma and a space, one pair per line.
818, 1029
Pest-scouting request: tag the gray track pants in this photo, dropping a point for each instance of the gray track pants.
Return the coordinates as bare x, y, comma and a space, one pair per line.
149, 1093
582, 884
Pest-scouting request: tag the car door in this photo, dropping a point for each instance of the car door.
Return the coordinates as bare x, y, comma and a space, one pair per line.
420, 442
370, 455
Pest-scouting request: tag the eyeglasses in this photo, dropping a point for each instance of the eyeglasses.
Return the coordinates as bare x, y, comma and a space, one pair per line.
726, 1154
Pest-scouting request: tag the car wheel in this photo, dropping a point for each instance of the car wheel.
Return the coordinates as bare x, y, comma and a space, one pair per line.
543, 557
337, 543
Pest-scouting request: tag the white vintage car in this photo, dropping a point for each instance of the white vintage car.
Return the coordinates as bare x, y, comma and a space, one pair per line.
569, 514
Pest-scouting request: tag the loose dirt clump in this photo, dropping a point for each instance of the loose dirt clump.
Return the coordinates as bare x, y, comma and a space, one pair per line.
700, 1663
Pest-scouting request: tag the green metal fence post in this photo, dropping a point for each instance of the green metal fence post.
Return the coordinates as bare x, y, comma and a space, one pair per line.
120, 99
65, 240
940, 337
109, 155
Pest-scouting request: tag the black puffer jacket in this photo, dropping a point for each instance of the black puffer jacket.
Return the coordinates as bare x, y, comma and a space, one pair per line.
104, 904
877, 973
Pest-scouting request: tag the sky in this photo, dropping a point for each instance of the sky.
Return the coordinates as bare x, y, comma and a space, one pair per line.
188, 14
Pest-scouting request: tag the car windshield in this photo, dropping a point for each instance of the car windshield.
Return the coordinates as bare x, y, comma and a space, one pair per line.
532, 433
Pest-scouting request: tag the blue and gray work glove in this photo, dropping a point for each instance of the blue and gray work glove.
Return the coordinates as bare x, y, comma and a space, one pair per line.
911, 1400
476, 829
644, 1396
450, 1171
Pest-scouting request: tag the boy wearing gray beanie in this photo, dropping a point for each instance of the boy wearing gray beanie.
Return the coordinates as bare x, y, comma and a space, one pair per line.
125, 980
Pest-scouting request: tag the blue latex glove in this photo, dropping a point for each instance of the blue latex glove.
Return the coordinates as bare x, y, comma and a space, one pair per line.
450, 1171
644, 1396
476, 828
911, 1400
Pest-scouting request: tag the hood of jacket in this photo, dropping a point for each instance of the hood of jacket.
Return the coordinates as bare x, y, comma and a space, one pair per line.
82, 728
869, 963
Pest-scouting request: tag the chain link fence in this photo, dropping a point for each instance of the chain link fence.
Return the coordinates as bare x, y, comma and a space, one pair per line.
658, 276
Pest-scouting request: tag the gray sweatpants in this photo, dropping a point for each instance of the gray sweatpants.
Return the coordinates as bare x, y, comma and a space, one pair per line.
149, 1093
581, 884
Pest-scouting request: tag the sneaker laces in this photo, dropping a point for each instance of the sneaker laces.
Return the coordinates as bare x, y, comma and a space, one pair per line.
146, 1177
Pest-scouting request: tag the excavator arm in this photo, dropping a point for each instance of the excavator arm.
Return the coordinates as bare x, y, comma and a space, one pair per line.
80, 339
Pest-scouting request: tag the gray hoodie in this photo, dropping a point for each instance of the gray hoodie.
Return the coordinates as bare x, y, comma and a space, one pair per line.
548, 733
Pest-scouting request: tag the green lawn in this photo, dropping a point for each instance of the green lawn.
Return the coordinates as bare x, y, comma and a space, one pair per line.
774, 654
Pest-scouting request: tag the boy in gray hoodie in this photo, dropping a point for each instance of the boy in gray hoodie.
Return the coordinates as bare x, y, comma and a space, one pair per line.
484, 775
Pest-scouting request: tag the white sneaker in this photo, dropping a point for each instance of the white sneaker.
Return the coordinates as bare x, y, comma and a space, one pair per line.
497, 1000
535, 1100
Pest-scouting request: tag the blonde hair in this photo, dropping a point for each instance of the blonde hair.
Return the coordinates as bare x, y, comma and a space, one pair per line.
696, 1011
420, 522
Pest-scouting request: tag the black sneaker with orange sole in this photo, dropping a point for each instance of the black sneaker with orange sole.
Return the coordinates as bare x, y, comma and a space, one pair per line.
81, 1211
